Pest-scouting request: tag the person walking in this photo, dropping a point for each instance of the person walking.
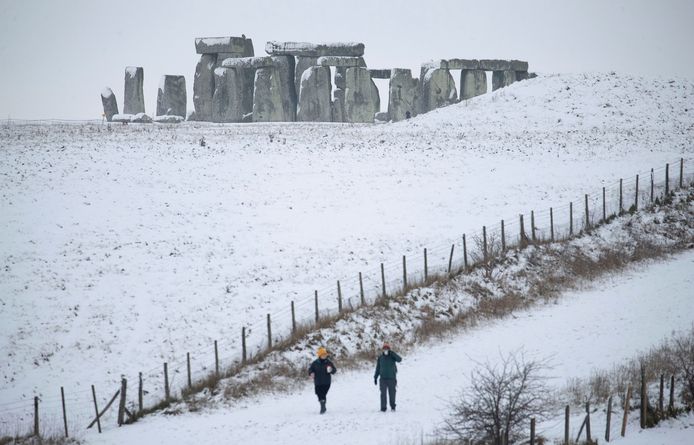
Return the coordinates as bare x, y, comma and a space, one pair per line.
387, 370
321, 371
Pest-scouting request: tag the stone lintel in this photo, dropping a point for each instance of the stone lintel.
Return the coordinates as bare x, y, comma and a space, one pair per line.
231, 45
380, 73
519, 65
341, 61
346, 49
463, 64
495, 65
248, 62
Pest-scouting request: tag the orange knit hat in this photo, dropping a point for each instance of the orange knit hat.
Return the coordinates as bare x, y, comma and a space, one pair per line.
322, 352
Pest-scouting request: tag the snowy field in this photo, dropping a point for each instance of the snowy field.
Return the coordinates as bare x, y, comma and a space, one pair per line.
584, 331
126, 246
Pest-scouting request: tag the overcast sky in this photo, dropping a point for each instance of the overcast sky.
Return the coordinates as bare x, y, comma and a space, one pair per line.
56, 56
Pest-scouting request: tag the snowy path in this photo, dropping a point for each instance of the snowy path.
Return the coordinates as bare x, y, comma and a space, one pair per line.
585, 330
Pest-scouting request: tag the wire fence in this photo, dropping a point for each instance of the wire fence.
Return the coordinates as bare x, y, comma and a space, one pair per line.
171, 379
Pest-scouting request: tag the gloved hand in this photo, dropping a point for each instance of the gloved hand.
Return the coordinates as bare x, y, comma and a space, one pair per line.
376, 381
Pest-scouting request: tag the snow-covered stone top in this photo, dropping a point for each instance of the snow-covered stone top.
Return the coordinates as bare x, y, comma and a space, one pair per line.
240, 46
106, 92
347, 49
474, 64
131, 71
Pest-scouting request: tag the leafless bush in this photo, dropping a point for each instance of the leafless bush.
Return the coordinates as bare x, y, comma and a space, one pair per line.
675, 357
500, 400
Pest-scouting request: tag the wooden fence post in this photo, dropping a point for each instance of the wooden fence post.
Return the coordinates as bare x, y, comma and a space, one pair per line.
121, 403
166, 381
644, 397
293, 319
551, 224
681, 172
636, 195
361, 290
532, 225
339, 297
566, 425
404, 273
485, 253
190, 380
588, 436
269, 333
426, 266
609, 419
36, 416
464, 252
660, 399
587, 215
62, 399
532, 431
450, 259
243, 345
140, 393
96, 410
667, 179
621, 200
571, 219
383, 280
503, 237
216, 360
604, 206
671, 405
626, 410
652, 185
316, 304
523, 238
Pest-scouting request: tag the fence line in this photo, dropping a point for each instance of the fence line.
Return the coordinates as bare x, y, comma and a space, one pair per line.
447, 257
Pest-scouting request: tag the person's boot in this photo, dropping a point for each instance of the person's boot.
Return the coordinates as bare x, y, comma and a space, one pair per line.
322, 407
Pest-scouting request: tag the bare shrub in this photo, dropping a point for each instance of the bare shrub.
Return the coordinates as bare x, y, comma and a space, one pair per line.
500, 400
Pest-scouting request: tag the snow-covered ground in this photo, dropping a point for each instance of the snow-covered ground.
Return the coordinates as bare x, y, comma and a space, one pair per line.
583, 331
127, 246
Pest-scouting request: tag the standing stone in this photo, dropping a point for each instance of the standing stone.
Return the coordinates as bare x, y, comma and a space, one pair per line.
338, 105
134, 95
403, 96
502, 79
171, 97
314, 95
285, 67
267, 98
228, 94
203, 87
302, 64
472, 83
362, 101
438, 90
108, 100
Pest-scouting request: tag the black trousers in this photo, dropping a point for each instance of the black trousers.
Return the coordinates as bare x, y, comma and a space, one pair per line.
388, 386
322, 391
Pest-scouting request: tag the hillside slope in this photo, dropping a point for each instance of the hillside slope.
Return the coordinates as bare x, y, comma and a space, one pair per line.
126, 246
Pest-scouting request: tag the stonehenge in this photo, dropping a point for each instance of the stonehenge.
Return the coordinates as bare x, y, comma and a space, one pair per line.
307, 82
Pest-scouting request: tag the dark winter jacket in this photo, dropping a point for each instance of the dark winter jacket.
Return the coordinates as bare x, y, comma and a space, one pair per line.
386, 367
320, 372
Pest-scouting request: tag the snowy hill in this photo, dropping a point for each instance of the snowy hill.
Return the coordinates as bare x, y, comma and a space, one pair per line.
127, 246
